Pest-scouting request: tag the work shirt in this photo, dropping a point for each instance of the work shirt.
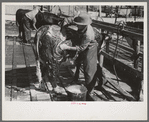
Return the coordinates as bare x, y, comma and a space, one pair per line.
87, 47
31, 15
86, 38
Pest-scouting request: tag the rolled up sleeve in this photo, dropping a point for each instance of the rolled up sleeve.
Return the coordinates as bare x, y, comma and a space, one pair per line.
85, 41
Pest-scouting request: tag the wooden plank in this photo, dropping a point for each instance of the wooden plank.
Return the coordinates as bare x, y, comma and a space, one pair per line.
136, 57
7, 93
121, 91
14, 78
114, 93
137, 61
23, 96
22, 86
124, 57
9, 40
26, 57
99, 96
15, 91
35, 95
129, 49
43, 97
127, 68
105, 95
93, 97
8, 71
120, 53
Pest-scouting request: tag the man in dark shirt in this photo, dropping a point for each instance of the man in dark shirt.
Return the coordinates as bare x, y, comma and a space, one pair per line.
87, 48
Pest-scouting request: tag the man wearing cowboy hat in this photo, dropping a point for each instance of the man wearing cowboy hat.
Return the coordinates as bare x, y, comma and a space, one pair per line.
86, 45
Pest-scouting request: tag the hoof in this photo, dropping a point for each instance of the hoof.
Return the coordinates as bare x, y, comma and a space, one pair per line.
41, 86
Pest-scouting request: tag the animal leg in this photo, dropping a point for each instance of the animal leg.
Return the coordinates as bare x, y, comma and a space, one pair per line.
38, 71
39, 77
34, 22
20, 32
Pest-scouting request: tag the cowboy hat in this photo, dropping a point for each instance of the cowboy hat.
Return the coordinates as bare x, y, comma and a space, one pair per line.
83, 19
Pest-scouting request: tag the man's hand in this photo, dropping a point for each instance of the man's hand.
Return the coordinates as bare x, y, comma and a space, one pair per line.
64, 47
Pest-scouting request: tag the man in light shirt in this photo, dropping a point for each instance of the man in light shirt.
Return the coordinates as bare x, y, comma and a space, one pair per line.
86, 45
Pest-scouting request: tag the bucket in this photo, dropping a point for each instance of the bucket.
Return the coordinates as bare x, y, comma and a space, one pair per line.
76, 92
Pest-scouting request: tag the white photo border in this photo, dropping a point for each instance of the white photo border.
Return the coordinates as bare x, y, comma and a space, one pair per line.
65, 110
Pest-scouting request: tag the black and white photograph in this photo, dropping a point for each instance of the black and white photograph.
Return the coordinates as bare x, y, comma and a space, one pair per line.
69, 56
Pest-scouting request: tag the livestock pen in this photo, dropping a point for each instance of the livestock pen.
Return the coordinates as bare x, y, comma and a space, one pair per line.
123, 64
123, 80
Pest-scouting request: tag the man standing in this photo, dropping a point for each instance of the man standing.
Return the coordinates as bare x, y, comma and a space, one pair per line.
86, 45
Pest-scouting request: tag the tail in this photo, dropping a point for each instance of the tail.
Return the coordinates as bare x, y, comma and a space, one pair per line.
40, 32
17, 23
35, 46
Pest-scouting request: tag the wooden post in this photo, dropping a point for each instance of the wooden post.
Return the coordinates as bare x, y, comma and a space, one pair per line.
60, 11
87, 9
107, 47
41, 8
136, 54
49, 9
126, 13
69, 10
100, 11
135, 13
73, 11
101, 59
34, 6
142, 65
116, 14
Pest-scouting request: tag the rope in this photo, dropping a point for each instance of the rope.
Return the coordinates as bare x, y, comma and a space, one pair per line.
119, 28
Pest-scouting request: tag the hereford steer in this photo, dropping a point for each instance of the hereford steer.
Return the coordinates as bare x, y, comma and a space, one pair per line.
42, 18
49, 56
19, 15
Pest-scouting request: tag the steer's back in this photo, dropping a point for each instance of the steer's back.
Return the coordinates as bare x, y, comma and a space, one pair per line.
46, 18
19, 15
